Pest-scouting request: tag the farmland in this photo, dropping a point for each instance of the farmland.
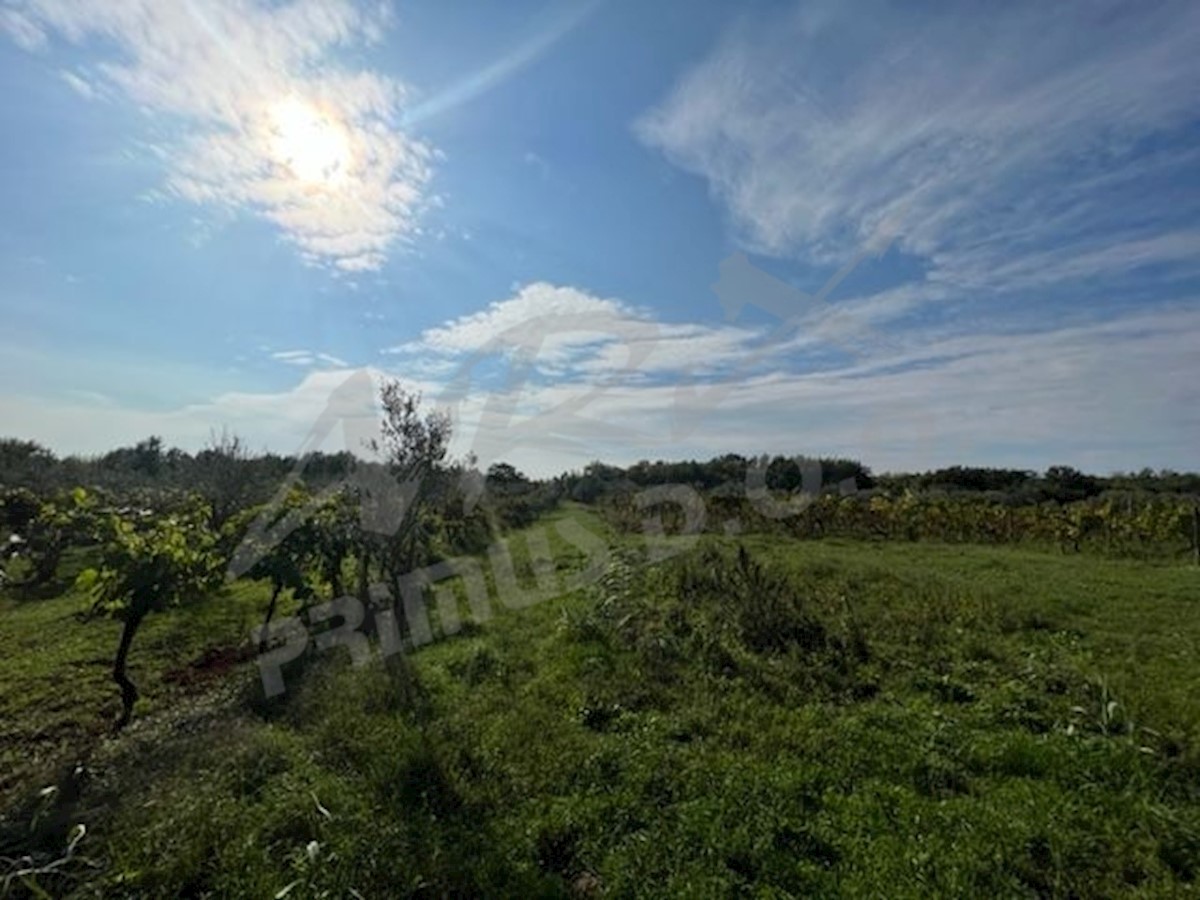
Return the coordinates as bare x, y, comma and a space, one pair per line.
752, 713
599, 450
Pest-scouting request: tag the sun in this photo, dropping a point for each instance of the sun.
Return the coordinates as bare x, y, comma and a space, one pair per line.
313, 145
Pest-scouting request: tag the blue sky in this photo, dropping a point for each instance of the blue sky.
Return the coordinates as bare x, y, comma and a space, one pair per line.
567, 222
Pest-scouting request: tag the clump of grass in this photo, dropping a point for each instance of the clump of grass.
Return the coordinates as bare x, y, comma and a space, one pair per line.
735, 616
766, 609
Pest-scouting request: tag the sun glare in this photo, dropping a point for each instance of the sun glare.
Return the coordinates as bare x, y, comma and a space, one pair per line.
314, 146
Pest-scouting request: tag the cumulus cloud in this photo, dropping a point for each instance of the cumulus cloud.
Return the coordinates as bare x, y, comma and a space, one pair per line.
979, 134
270, 123
566, 331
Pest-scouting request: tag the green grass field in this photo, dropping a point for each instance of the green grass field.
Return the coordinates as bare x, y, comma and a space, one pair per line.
804, 719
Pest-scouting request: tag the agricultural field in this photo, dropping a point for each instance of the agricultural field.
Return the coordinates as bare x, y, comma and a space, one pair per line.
754, 714
592, 449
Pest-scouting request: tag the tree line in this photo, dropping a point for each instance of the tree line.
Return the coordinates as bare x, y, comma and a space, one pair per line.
731, 472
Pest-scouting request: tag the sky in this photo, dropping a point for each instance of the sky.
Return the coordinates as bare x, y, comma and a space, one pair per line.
915, 234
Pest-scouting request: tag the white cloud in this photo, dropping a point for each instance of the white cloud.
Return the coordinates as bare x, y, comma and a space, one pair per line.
590, 378
567, 331
979, 133
1118, 394
308, 358
1087, 259
79, 85
21, 29
544, 318
338, 176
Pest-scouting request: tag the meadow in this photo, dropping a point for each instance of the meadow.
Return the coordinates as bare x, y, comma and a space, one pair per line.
752, 715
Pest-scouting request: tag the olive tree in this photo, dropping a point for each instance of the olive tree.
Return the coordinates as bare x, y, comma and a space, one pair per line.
413, 445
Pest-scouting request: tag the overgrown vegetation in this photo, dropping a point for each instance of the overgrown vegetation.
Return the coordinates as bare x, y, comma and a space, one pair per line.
872, 686
754, 715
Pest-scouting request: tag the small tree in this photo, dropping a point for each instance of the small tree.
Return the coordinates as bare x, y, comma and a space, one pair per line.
166, 564
504, 476
414, 447
225, 476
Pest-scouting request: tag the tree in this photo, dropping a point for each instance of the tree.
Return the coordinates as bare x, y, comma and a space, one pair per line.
1065, 484
225, 475
25, 463
147, 569
19, 509
414, 447
148, 456
587, 489
513, 501
504, 476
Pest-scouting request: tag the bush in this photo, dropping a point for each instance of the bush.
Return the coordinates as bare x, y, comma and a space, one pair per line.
768, 613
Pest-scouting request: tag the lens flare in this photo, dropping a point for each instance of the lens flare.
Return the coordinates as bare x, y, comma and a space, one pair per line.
312, 145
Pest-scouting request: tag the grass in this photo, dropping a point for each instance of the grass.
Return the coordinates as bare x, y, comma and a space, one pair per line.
798, 719
57, 697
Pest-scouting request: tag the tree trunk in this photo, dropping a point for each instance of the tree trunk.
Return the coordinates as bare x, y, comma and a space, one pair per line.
129, 691
335, 580
364, 577
262, 635
46, 567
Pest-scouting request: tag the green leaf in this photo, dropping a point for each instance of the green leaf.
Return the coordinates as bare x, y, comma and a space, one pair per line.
87, 579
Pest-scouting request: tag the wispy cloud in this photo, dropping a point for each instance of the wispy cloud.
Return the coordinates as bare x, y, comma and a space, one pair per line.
79, 85
309, 358
982, 135
1109, 393
1116, 394
1087, 259
269, 123
22, 28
